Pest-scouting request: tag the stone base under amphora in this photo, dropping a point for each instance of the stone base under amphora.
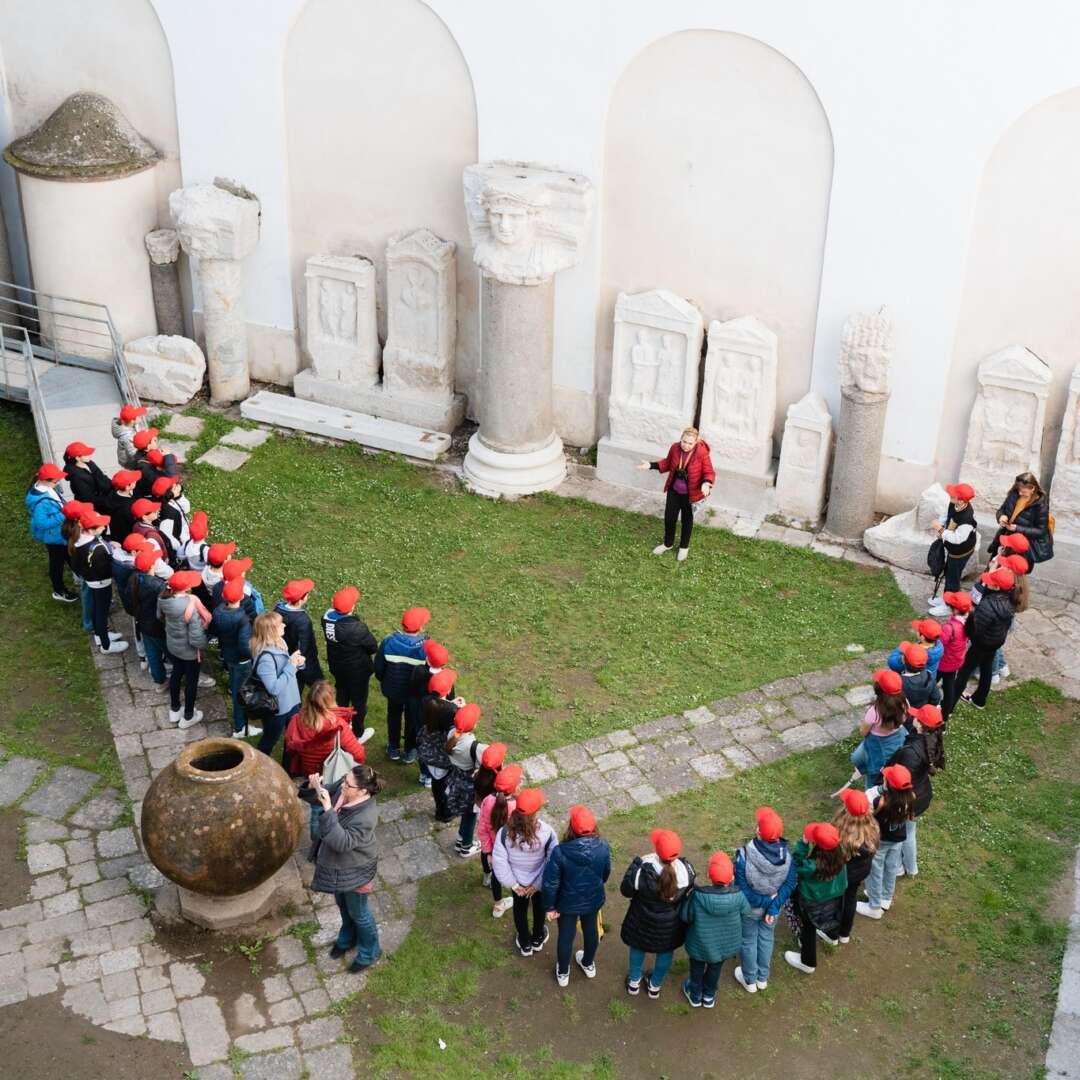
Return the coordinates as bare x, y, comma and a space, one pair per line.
227, 912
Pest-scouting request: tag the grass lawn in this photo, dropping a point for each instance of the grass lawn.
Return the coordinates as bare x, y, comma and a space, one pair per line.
958, 981
558, 620
51, 705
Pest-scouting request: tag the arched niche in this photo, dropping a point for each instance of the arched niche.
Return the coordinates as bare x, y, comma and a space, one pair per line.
380, 119
718, 163
1020, 287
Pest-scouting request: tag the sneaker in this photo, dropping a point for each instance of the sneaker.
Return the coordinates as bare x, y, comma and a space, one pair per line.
207, 681
560, 978
356, 966
175, 716
468, 852
833, 942
486, 880
590, 971
115, 647
864, 908
337, 952
686, 993
411, 757
368, 732
632, 988
763, 986
886, 904
971, 701
424, 781
653, 991
995, 682
143, 665
845, 940
683, 553
65, 597
795, 960
502, 907
393, 753
749, 987
251, 732
659, 550
525, 950
538, 945
1004, 671
190, 721
163, 685
901, 872
708, 1003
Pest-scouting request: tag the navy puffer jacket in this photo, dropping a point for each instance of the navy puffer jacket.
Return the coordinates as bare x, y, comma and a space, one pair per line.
575, 874
652, 924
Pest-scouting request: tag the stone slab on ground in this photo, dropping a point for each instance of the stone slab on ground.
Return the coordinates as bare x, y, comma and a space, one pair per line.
221, 457
66, 787
245, 438
334, 423
187, 427
16, 776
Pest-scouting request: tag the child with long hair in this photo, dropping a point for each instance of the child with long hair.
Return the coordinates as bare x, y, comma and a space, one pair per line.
464, 752
882, 727
495, 811
821, 864
437, 711
859, 839
71, 530
491, 762
656, 885
312, 733
894, 806
522, 848
91, 559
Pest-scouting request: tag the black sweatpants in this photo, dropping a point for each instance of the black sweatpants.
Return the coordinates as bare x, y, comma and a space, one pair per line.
485, 865
980, 657
101, 601
847, 911
58, 555
807, 934
186, 672
678, 504
352, 689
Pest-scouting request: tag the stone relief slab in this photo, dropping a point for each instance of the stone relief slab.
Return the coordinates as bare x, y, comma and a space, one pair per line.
342, 334
655, 361
165, 368
805, 451
421, 288
1065, 493
526, 222
738, 401
1006, 427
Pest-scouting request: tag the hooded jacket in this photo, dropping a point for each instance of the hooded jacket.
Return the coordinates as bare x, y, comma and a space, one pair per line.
914, 755
652, 924
575, 874
346, 852
300, 635
522, 865
124, 434
279, 677
713, 916
811, 888
184, 638
1033, 521
954, 643
88, 485
398, 653
771, 858
991, 619
232, 628
46, 515
311, 748
350, 645
920, 688
699, 468
934, 653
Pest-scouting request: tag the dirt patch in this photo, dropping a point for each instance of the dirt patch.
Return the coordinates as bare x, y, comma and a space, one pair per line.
15, 880
1062, 900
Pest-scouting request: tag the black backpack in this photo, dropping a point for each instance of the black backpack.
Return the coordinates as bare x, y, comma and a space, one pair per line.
935, 561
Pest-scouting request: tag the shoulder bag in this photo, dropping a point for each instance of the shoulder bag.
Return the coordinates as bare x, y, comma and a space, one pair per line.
338, 762
258, 702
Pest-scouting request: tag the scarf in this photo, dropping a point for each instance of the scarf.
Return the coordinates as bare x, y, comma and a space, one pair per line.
1022, 503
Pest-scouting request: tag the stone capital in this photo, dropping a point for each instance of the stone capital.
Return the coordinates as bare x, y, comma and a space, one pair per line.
163, 246
214, 223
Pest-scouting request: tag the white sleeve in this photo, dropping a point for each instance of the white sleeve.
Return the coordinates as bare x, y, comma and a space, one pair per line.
957, 535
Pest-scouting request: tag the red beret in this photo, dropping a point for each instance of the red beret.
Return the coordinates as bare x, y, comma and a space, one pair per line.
199, 526
142, 507
960, 492
184, 579
235, 568
345, 599
415, 619
915, 656
530, 800
436, 654
999, 579
721, 872
125, 478
73, 510
144, 438
466, 717
91, 519
770, 825
958, 601
146, 558
131, 412
135, 542
155, 457
1014, 542
666, 844
928, 628
297, 590
1016, 563
897, 777
822, 834
163, 484
494, 756
858, 805
49, 471
582, 821
507, 779
233, 591
78, 449
888, 680
442, 682
928, 715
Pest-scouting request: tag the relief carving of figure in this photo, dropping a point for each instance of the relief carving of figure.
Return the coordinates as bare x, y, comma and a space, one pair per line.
866, 346
805, 450
644, 364
670, 377
337, 310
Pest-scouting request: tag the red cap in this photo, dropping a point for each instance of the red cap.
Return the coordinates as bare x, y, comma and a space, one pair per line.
162, 485
888, 680
345, 599
74, 510
199, 526
135, 542
822, 834
184, 579
721, 872
146, 558
915, 656
125, 478
466, 717
49, 471
233, 591
958, 601
442, 682
666, 844
1016, 541
530, 800
960, 492
858, 805
297, 590
142, 507
928, 628
142, 439
507, 779
216, 554
414, 620
436, 654
132, 412
928, 715
494, 756
235, 568
155, 457
1016, 563
1001, 578
92, 520
897, 777
582, 821
770, 825
78, 449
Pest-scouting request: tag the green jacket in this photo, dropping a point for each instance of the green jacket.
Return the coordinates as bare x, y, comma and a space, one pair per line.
713, 914
811, 888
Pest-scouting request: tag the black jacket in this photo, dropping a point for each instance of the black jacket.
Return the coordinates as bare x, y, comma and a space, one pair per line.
89, 485
299, 634
247, 603
858, 866
118, 507
991, 619
143, 591
652, 924
1032, 521
350, 645
232, 628
92, 561
921, 689
914, 755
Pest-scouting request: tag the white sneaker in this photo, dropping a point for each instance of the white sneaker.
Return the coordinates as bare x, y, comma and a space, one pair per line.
901, 872
886, 904
176, 716
830, 941
795, 960
683, 552
115, 647
864, 908
1004, 671
763, 986
750, 988
502, 907
995, 682
660, 549
368, 732
560, 978
251, 732
191, 721
845, 940
590, 971
206, 681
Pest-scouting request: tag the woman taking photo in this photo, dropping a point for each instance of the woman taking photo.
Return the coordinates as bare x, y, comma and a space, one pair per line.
690, 477
276, 670
1026, 510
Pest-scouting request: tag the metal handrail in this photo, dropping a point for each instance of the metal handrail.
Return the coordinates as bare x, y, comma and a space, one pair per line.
16, 338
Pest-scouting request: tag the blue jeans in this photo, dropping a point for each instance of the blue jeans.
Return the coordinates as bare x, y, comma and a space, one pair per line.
909, 857
858, 759
999, 661
704, 979
313, 822
660, 968
757, 947
237, 674
155, 657
358, 927
272, 730
87, 607
882, 880
468, 827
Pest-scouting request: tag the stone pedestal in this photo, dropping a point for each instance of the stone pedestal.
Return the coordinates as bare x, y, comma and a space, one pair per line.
226, 912
163, 247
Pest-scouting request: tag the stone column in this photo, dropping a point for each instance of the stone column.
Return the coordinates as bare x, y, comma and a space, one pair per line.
526, 223
163, 247
865, 351
220, 227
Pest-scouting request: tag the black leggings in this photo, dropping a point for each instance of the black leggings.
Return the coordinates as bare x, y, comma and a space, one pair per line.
496, 888
677, 504
947, 679
847, 912
807, 934
521, 919
980, 657
352, 690
101, 601
186, 672
58, 555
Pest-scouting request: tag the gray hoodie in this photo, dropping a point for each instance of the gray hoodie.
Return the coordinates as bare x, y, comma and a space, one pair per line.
182, 639
124, 435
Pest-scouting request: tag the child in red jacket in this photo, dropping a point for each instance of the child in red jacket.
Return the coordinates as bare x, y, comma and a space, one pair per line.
690, 477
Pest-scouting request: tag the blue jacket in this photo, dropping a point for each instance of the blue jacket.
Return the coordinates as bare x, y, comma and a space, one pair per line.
397, 656
232, 628
933, 658
774, 851
575, 874
46, 517
279, 677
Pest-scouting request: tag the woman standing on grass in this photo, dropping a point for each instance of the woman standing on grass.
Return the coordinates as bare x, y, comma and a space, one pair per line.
275, 668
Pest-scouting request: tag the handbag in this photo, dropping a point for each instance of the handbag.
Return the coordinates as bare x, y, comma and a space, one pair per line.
338, 762
258, 702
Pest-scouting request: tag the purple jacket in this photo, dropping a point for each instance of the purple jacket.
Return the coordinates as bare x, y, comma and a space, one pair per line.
516, 866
